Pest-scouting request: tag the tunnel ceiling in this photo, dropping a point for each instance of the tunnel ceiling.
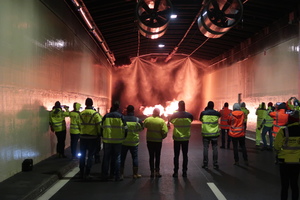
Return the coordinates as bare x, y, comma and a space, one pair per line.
116, 21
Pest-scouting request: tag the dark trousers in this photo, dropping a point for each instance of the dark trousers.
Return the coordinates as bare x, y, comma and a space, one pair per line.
289, 174
224, 135
263, 135
87, 145
154, 149
236, 141
214, 143
61, 138
185, 148
111, 156
74, 142
134, 154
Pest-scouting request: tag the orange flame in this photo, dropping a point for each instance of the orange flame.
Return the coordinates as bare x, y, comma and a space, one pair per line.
171, 107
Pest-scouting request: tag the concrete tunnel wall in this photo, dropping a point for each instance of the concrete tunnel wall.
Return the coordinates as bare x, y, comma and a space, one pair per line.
46, 55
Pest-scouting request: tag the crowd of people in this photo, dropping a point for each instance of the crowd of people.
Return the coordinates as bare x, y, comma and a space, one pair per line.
120, 133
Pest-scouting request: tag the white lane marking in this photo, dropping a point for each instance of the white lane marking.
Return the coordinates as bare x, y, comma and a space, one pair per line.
216, 191
59, 184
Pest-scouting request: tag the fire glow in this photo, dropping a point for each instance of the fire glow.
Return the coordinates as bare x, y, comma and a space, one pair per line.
171, 107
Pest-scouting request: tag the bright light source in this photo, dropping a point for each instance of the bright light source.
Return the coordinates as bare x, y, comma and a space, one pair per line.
79, 154
161, 45
173, 16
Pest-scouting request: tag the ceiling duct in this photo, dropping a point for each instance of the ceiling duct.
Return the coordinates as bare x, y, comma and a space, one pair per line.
218, 16
153, 17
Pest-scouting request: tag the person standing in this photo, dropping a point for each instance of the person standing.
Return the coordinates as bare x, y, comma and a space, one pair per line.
75, 128
58, 125
113, 134
237, 133
210, 133
157, 130
89, 137
131, 142
246, 113
280, 118
181, 134
266, 126
260, 111
224, 125
287, 147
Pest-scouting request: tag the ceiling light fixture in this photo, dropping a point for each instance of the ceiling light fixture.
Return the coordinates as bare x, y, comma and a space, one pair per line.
161, 45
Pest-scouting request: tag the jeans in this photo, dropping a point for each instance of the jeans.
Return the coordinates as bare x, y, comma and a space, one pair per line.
87, 145
224, 134
134, 154
263, 134
236, 141
289, 174
214, 142
74, 142
185, 147
112, 152
61, 138
154, 149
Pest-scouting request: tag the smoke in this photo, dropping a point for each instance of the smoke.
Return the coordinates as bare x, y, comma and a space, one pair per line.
145, 83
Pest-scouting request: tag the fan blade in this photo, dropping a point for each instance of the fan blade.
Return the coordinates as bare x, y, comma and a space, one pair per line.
227, 4
156, 5
146, 8
215, 4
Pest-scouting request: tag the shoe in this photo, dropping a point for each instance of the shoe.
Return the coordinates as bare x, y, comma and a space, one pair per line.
246, 163
184, 174
157, 175
236, 163
263, 148
204, 166
152, 175
175, 175
222, 147
216, 166
135, 176
228, 147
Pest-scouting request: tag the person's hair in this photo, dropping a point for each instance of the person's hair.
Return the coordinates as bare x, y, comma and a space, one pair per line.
210, 104
130, 109
89, 102
181, 106
226, 104
115, 106
270, 104
243, 104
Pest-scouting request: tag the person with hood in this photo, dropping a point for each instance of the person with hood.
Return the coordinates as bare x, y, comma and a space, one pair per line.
260, 111
224, 125
210, 133
157, 130
287, 147
75, 128
246, 113
181, 135
89, 137
58, 125
131, 142
237, 133
266, 126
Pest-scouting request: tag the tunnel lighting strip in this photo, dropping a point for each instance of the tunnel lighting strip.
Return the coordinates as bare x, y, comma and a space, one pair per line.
93, 29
